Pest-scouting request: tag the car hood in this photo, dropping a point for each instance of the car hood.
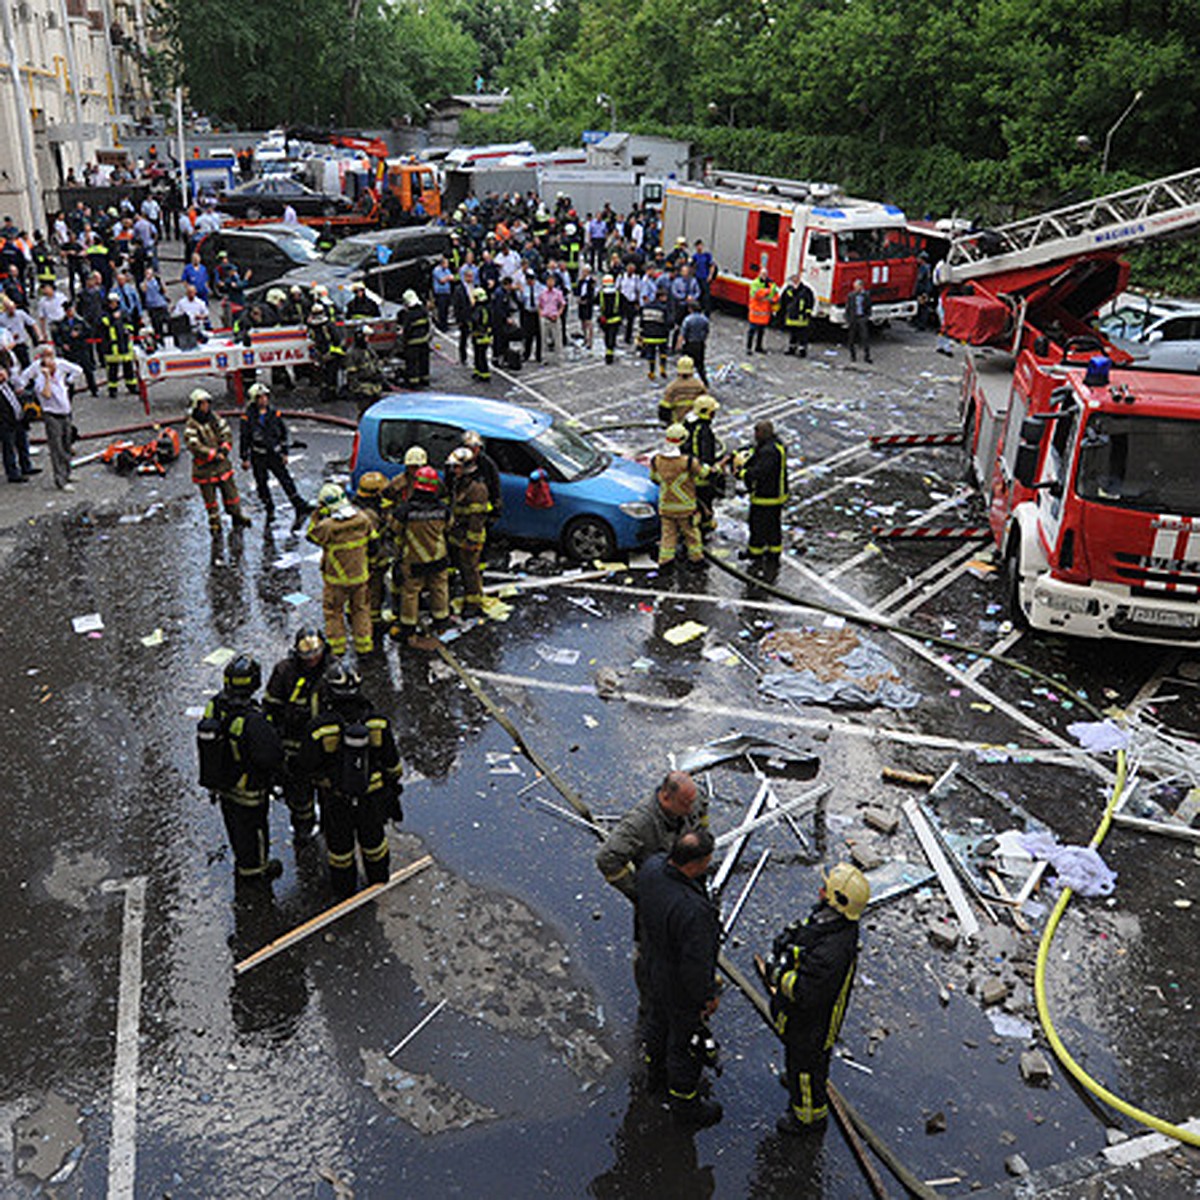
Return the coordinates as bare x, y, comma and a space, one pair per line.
623, 481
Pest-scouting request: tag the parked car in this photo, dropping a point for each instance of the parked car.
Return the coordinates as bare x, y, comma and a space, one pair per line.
1127, 316
269, 196
262, 252
1168, 343
388, 261
603, 503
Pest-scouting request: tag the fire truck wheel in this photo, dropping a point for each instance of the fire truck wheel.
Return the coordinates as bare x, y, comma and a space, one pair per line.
253, 213
1012, 585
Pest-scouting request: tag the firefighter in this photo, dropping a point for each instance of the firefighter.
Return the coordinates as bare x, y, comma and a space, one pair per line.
350, 752
858, 321
415, 323
481, 334
364, 371
705, 447
327, 353
796, 302
240, 756
116, 346
400, 486
210, 442
763, 294
372, 500
610, 316
420, 522
810, 974
468, 525
291, 702
654, 327
361, 305
677, 474
681, 393
344, 533
486, 467
764, 472
264, 451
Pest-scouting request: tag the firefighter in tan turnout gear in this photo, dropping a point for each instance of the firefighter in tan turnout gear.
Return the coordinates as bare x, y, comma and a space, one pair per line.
677, 475
420, 529
210, 442
344, 533
468, 525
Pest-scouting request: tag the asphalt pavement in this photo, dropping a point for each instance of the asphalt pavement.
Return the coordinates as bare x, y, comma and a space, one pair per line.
137, 1063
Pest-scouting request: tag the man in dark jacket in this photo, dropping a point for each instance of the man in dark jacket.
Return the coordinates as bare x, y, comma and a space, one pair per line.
264, 450
680, 935
764, 472
858, 321
810, 974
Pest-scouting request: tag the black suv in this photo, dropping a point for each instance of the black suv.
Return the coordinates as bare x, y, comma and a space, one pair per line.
262, 252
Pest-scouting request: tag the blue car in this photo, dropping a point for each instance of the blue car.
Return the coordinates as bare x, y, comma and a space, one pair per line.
603, 504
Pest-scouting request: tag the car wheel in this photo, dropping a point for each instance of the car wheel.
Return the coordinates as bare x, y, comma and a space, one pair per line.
1012, 584
588, 538
253, 213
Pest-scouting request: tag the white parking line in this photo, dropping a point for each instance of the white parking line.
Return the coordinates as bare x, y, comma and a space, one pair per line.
961, 553
122, 1154
860, 478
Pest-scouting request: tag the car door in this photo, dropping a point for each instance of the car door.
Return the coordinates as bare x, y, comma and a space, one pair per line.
515, 460
1174, 344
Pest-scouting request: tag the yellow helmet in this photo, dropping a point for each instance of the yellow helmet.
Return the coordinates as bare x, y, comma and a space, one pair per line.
372, 483
415, 456
684, 365
676, 434
331, 496
847, 890
705, 406
198, 394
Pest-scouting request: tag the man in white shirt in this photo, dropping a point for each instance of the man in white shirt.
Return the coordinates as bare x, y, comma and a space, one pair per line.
20, 324
52, 379
51, 308
196, 310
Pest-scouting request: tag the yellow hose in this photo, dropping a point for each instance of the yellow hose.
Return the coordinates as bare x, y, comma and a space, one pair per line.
1043, 1005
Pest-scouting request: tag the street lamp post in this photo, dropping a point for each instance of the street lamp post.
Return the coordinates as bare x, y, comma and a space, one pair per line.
1108, 137
606, 101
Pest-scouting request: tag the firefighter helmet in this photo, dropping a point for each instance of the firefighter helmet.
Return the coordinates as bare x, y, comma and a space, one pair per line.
371, 484
425, 480
309, 643
472, 439
461, 456
480, 293
676, 434
276, 296
847, 890
243, 676
684, 365
342, 683
415, 456
198, 394
331, 495
705, 407
410, 298
608, 281
258, 389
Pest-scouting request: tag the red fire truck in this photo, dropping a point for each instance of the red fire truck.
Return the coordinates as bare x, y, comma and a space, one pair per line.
1088, 461
751, 221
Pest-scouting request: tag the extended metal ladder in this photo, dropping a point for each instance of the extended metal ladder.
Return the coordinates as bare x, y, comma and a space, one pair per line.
1162, 207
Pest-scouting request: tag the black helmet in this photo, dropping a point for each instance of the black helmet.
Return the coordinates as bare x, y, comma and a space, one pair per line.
243, 676
309, 642
342, 683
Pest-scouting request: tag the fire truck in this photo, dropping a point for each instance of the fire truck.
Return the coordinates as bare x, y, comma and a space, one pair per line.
1087, 460
751, 221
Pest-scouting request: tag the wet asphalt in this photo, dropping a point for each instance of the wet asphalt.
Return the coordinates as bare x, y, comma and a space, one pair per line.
526, 1082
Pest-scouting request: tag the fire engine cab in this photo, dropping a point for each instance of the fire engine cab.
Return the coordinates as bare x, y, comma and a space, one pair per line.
1088, 462
831, 240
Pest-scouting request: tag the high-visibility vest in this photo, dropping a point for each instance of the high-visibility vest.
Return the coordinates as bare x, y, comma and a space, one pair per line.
761, 296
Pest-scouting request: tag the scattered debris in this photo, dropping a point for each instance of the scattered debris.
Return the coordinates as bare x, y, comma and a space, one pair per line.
881, 819
46, 1137
943, 934
1078, 867
994, 991
1014, 1164
937, 859
559, 656
608, 684
914, 778
88, 623
429, 1105
935, 1123
1035, 1068
686, 631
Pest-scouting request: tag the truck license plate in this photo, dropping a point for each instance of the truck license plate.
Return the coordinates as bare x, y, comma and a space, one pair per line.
1159, 616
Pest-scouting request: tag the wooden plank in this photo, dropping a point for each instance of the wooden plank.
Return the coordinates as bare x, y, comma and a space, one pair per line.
321, 920
937, 859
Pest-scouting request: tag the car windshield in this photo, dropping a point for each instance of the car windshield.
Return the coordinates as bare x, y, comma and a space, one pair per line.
348, 253
1145, 463
573, 456
298, 249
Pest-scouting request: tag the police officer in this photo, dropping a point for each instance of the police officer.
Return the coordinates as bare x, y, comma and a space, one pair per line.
240, 756
116, 346
264, 449
681, 937
343, 532
810, 974
415, 323
468, 526
210, 442
351, 753
420, 523
764, 472
291, 702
